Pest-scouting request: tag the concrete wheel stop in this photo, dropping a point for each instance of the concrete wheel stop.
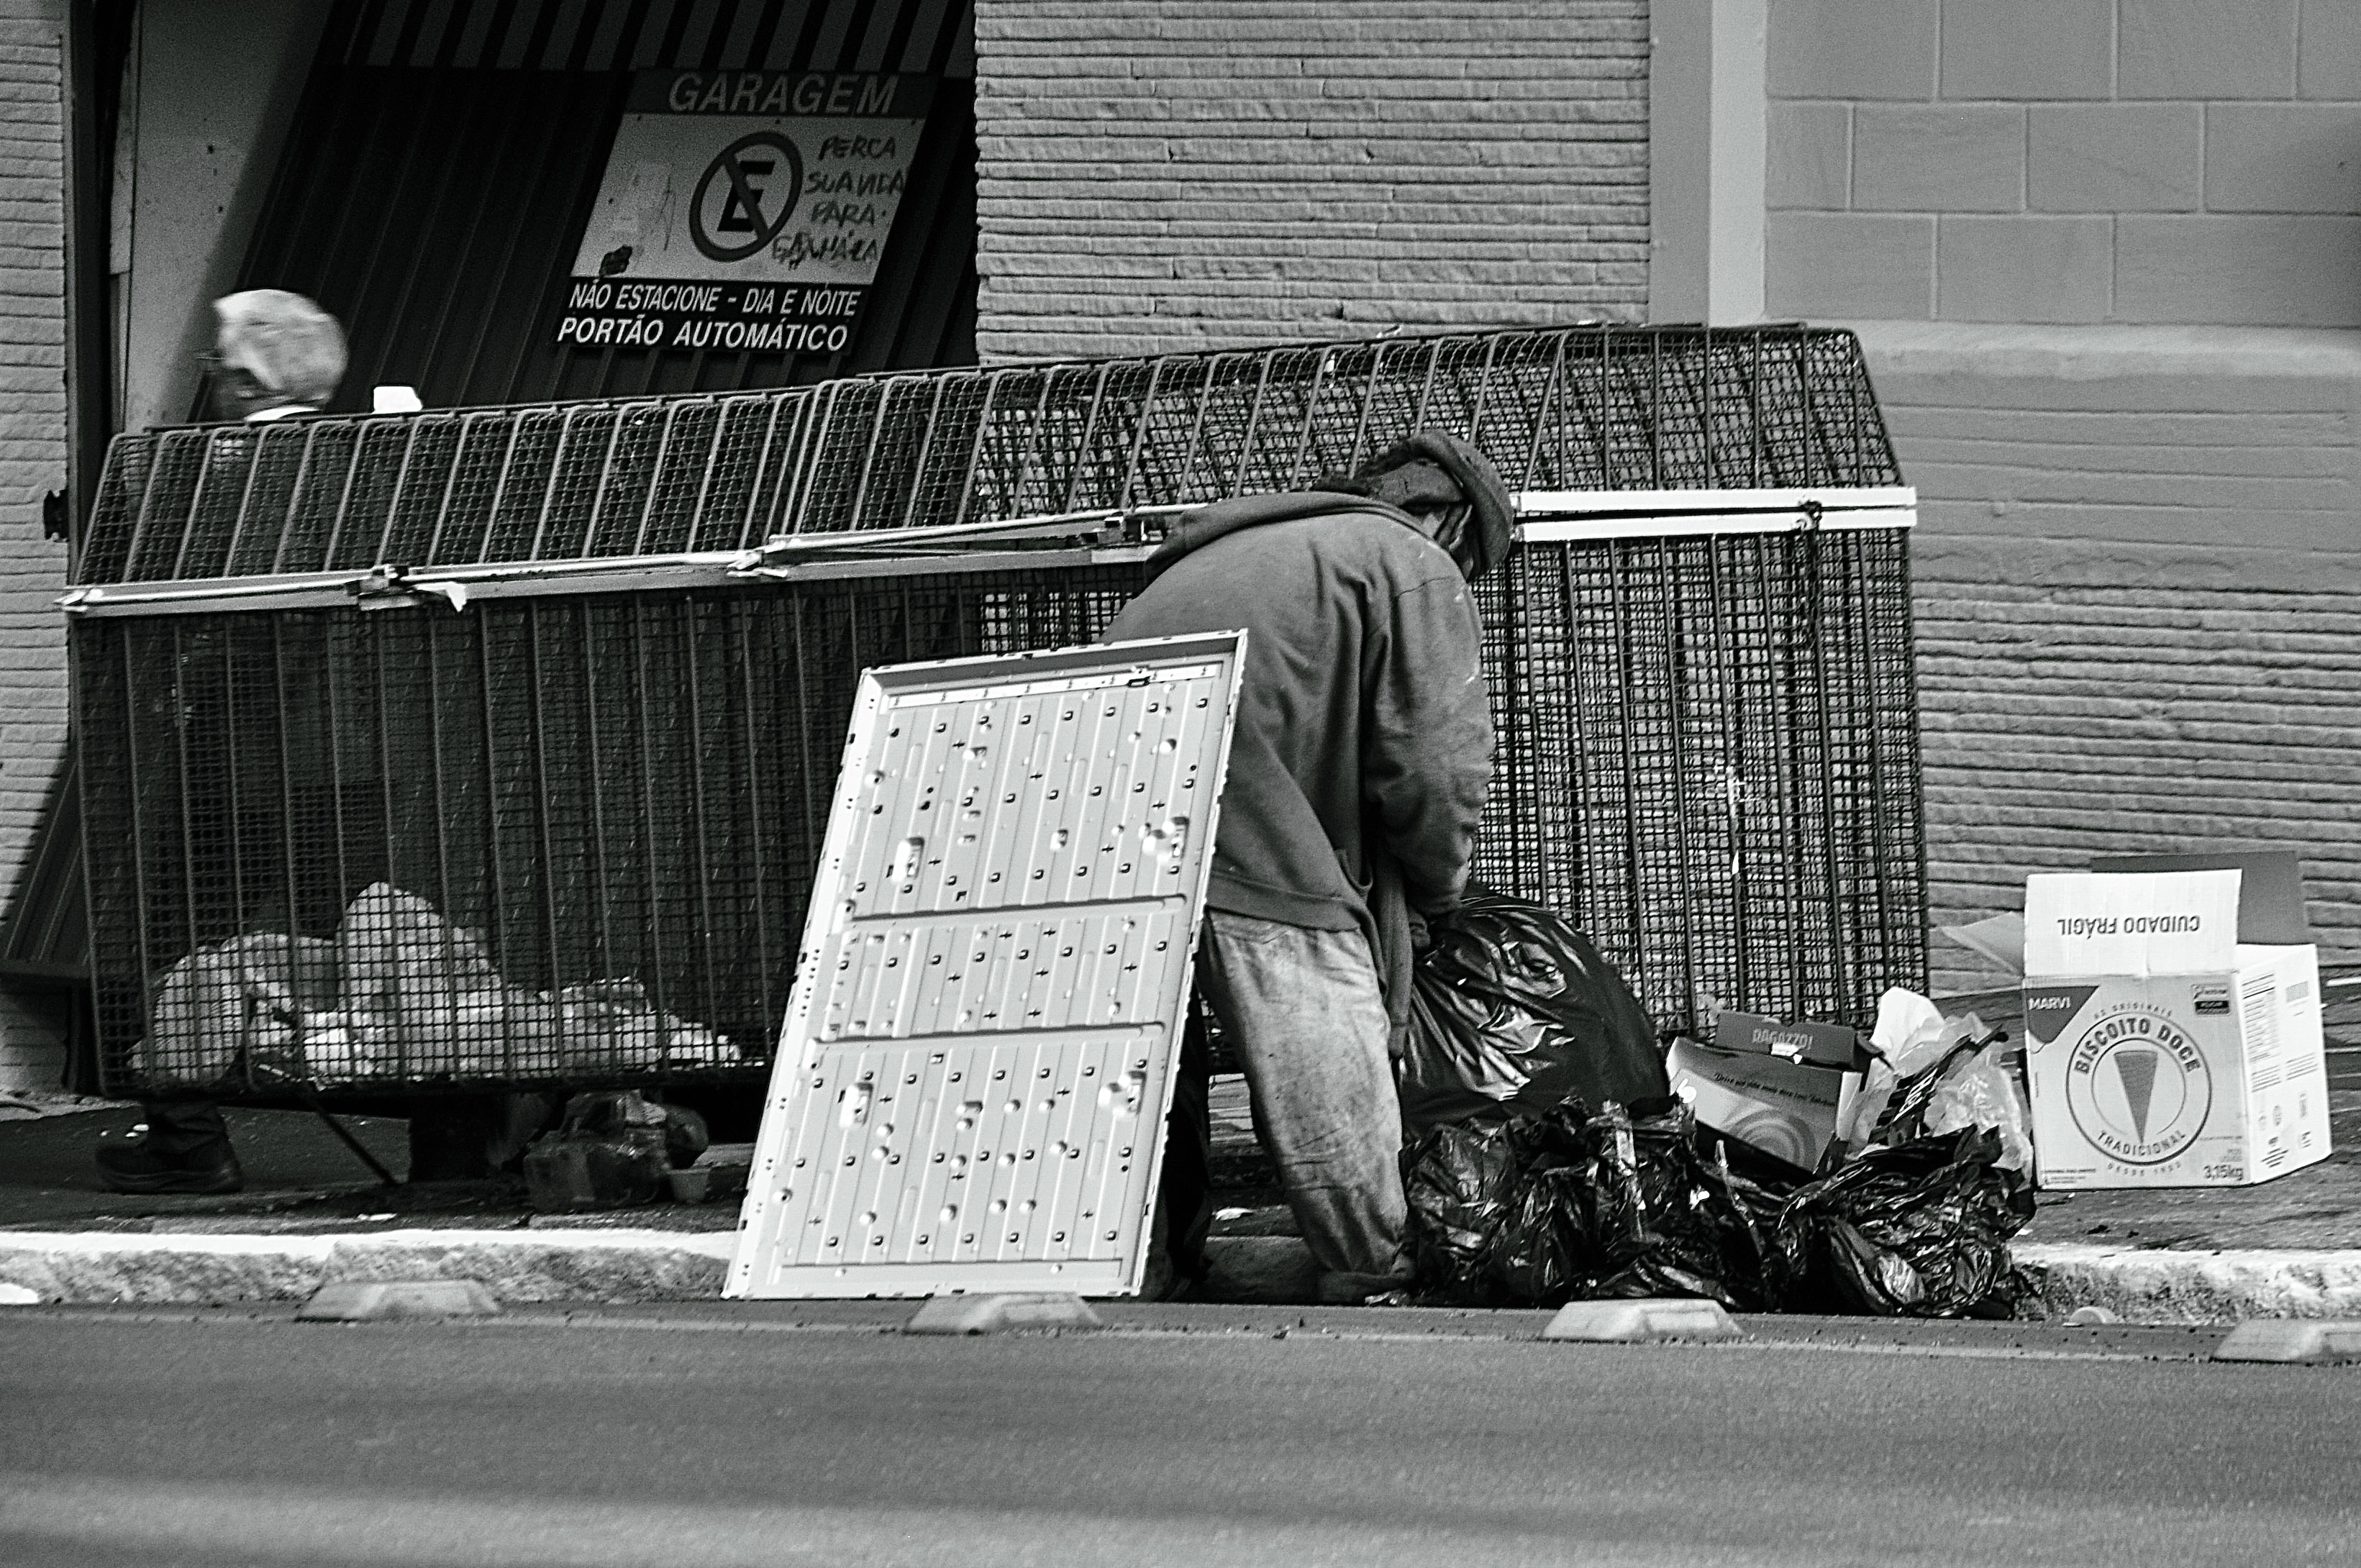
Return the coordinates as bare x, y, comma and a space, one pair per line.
382, 1301
992, 1315
2292, 1340
1650, 1318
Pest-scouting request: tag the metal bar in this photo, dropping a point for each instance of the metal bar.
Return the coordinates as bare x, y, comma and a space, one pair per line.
400, 483
926, 449
1556, 529
644, 733
134, 789
338, 595
713, 448
245, 501
344, 1135
197, 496
596, 775
1832, 502
288, 822
655, 481
598, 497
499, 487
1254, 418
976, 448
1139, 434
701, 943
540, 798
869, 456
296, 495
185, 797
1483, 392
343, 502
1090, 432
760, 830
1320, 369
556, 467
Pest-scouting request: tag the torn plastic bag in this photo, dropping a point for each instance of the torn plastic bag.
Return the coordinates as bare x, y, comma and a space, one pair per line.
1667, 1222
1918, 1230
1543, 1255
1976, 1090
1499, 1211
1512, 1011
1458, 1182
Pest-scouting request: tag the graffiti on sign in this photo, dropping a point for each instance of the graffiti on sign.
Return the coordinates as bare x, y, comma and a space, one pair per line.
744, 210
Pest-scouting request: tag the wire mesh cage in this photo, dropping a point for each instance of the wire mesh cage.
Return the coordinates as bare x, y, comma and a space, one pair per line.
557, 824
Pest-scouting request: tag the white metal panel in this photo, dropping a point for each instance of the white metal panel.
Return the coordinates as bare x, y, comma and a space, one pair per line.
970, 1085
1548, 517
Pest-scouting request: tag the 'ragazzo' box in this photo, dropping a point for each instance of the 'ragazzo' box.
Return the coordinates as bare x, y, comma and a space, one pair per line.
2162, 1051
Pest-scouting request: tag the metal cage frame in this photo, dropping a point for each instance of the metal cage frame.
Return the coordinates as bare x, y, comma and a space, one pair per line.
550, 672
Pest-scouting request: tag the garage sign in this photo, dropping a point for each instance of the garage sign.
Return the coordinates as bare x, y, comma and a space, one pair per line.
744, 209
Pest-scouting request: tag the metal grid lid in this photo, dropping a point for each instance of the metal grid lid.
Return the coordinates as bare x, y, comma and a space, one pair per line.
1575, 409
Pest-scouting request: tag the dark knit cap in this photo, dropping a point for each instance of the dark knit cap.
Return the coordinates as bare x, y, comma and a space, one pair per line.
1433, 469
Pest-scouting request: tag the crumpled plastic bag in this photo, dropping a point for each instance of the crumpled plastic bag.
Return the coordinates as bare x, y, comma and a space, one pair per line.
1977, 1090
1541, 1211
1512, 1012
1666, 1222
1500, 1210
1458, 1182
1919, 1229
1544, 1253
1934, 1074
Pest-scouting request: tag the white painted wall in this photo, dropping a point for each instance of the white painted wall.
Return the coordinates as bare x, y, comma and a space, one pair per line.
210, 90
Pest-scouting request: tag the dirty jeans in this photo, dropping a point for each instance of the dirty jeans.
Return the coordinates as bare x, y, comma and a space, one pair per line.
1302, 1011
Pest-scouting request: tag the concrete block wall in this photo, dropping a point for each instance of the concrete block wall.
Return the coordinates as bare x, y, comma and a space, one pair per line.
2185, 162
2138, 584
1160, 175
32, 464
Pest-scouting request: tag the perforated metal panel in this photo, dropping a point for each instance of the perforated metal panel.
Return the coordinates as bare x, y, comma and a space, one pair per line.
970, 1089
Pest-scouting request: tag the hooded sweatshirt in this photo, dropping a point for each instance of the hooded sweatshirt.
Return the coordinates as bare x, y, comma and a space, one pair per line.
1364, 738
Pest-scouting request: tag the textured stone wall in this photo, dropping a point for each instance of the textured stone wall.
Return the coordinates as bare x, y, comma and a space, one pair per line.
1162, 175
32, 460
2066, 161
2138, 573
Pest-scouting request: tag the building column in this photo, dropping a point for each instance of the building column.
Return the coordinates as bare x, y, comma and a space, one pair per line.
1705, 134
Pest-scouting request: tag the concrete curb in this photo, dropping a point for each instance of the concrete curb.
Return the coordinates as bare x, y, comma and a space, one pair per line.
96, 1267
2162, 1286
85, 1267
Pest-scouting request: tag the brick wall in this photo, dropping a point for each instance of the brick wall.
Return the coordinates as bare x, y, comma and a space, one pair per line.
2066, 161
2138, 577
32, 461
1173, 174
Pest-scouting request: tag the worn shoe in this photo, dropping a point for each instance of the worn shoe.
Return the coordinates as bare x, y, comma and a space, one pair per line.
131, 1164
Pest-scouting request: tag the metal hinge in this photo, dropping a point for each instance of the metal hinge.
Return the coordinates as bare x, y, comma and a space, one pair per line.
391, 587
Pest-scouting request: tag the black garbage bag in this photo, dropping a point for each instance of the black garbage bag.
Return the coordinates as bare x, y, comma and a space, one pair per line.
1544, 1254
1513, 1010
1918, 1229
1459, 1183
1499, 1211
1668, 1223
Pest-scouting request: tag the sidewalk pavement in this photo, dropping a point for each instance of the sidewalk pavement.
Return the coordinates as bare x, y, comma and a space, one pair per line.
311, 1214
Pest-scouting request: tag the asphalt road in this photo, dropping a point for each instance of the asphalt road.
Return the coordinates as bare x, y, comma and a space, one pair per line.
234, 1441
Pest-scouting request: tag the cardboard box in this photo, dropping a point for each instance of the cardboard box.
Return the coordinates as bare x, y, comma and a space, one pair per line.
1822, 1044
1788, 1109
2162, 1050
